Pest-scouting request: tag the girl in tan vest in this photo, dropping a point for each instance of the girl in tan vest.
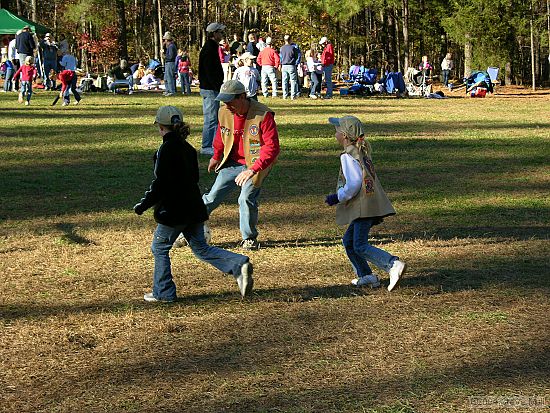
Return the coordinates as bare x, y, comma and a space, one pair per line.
361, 203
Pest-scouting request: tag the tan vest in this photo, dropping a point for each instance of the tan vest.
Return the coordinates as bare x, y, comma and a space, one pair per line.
371, 201
251, 137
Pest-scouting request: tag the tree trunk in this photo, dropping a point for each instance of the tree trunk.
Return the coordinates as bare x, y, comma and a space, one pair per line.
533, 71
33, 10
159, 14
18, 5
397, 42
467, 56
122, 38
406, 34
156, 40
548, 22
83, 51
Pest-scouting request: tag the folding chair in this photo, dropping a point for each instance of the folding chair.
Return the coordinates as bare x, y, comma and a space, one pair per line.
493, 74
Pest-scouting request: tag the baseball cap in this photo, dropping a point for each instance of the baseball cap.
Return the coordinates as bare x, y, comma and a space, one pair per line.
167, 36
168, 115
247, 55
287, 37
214, 27
230, 90
268, 40
349, 125
47, 35
323, 40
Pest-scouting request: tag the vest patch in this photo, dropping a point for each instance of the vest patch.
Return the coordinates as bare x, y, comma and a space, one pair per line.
254, 130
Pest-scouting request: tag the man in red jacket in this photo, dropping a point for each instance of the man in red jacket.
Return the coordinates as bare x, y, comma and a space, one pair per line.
270, 62
327, 60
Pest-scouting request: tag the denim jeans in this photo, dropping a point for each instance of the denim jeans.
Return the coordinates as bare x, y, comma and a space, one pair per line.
49, 65
327, 70
71, 88
185, 83
290, 74
164, 287
170, 77
359, 251
117, 83
26, 89
446, 73
8, 84
210, 107
315, 84
248, 199
269, 73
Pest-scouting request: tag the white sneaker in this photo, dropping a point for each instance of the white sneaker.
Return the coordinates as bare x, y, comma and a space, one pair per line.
370, 280
250, 244
27, 103
207, 151
150, 298
245, 280
396, 273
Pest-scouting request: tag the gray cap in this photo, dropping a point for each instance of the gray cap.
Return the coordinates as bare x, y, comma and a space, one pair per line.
167, 36
349, 125
230, 90
168, 115
214, 27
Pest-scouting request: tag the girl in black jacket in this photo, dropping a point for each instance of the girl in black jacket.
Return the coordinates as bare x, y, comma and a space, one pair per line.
178, 207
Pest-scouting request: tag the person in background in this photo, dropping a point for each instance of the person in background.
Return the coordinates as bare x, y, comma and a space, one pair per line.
248, 75
171, 52
327, 60
270, 62
361, 203
121, 76
289, 58
8, 74
25, 44
28, 74
446, 67
68, 85
211, 79
150, 81
179, 209
49, 54
184, 66
315, 70
425, 66
138, 74
13, 57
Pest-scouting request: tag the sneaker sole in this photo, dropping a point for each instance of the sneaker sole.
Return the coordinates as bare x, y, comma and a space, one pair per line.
370, 285
399, 278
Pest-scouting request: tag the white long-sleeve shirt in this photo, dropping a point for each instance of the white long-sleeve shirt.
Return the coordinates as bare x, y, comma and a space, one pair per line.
354, 177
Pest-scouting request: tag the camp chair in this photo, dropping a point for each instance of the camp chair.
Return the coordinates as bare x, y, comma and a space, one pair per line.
493, 74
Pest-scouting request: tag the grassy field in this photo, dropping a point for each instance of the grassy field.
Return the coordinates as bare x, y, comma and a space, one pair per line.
469, 325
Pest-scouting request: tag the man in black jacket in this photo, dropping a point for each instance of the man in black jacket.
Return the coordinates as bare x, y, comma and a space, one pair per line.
179, 208
25, 44
211, 79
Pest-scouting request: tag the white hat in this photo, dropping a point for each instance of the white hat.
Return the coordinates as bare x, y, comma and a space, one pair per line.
268, 40
323, 40
247, 55
167, 36
214, 27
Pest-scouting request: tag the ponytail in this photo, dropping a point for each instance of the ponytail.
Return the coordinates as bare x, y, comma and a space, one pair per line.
362, 145
180, 128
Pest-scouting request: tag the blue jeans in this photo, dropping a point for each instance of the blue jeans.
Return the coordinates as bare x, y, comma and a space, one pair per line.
170, 77
49, 65
248, 199
290, 74
210, 107
118, 83
446, 73
315, 83
164, 287
8, 84
327, 70
269, 73
26, 89
185, 84
359, 251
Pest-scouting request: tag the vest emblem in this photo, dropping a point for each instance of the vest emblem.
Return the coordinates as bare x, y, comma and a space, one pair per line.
253, 130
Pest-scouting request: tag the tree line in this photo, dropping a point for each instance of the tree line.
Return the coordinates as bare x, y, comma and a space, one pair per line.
513, 35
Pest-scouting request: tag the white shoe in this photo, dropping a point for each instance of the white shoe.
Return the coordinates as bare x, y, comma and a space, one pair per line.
207, 151
250, 244
76, 102
245, 280
27, 103
396, 273
313, 96
370, 280
64, 104
150, 298
182, 242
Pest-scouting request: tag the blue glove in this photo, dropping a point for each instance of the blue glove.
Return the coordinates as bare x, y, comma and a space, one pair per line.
138, 208
331, 199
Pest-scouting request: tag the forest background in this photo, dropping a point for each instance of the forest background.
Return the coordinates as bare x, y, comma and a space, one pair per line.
513, 35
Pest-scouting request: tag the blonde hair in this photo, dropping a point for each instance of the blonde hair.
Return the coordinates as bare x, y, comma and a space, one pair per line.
29, 60
361, 144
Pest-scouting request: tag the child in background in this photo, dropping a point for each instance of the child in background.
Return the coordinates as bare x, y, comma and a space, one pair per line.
68, 84
8, 73
247, 75
179, 209
183, 70
28, 74
361, 204
149, 81
425, 66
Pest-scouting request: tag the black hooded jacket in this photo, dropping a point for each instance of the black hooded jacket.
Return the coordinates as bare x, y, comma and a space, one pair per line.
175, 192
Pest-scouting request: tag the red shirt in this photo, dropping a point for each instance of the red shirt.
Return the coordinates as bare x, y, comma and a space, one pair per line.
28, 72
269, 142
65, 76
268, 57
327, 57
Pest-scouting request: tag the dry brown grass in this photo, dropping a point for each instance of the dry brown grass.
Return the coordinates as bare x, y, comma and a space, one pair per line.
471, 318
